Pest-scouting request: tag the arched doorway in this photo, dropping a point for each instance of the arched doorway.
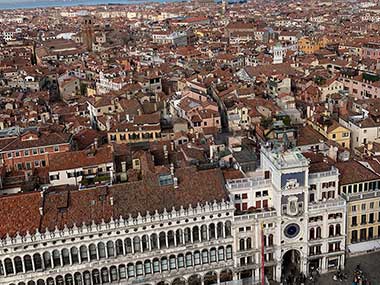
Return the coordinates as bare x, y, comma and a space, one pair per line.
226, 276
179, 281
195, 280
210, 278
291, 265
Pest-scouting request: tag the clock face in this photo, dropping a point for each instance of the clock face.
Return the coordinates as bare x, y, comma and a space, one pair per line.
292, 230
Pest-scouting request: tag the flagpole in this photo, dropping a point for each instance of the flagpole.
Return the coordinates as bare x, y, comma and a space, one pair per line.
262, 254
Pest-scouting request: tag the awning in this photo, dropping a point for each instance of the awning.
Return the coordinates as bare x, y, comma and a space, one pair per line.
364, 246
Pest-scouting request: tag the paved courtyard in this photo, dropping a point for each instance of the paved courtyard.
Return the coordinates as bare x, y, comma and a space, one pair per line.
369, 264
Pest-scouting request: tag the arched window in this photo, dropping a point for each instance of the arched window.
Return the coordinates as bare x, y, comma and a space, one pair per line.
204, 256
145, 243
122, 272
265, 240
95, 276
87, 278
187, 235
139, 269
270, 240
189, 259
42, 282
37, 261
197, 258
179, 236
78, 278
331, 230
164, 264
153, 241
212, 255
50, 281
337, 230
83, 253
93, 253
170, 238
242, 244
131, 270
56, 258
311, 233
8, 266
74, 255
180, 261
47, 259
162, 236
219, 230
128, 245
221, 253
101, 250
136, 244
105, 275
119, 247
28, 263
156, 265
229, 252
69, 279
59, 280
32, 283
204, 232
113, 274
65, 256
147, 267
318, 232
195, 234
228, 229
249, 243
18, 264
110, 248
172, 262
211, 231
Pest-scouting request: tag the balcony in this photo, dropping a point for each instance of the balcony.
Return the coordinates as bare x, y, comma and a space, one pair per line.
318, 175
333, 203
247, 183
257, 215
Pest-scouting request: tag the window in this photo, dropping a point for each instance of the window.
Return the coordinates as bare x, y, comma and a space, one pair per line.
35, 151
9, 155
181, 261
26, 152
197, 258
164, 264
364, 219
204, 257
36, 163
354, 221
56, 148
363, 207
42, 150
156, 266
189, 259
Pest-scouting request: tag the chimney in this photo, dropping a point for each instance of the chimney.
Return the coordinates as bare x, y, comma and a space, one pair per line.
41, 211
175, 182
165, 147
172, 146
172, 169
108, 123
111, 201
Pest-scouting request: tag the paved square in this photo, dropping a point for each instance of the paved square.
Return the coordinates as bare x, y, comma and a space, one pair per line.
369, 264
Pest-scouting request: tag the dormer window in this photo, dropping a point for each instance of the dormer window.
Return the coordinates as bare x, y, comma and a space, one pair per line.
165, 179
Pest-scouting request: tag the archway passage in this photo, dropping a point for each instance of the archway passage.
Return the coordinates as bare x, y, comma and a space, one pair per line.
195, 280
210, 278
291, 264
226, 276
